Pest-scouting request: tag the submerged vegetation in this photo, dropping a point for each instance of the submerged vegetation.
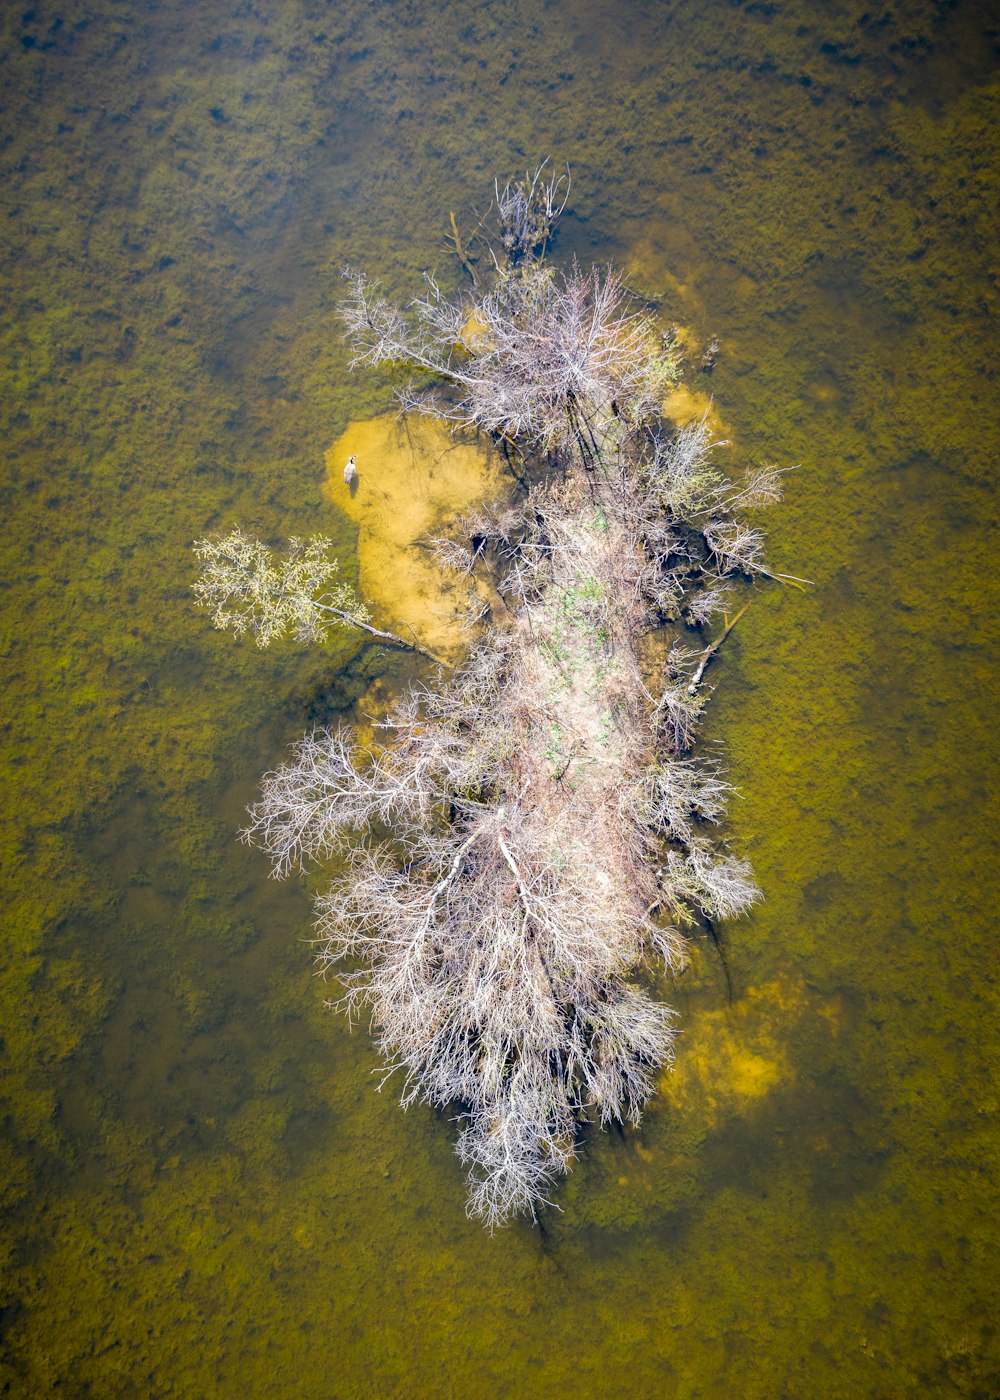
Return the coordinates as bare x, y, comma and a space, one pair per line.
198, 1183
527, 849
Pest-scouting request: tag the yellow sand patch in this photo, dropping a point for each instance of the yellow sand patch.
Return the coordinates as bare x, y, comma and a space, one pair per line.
413, 477
683, 405
731, 1057
663, 244
475, 333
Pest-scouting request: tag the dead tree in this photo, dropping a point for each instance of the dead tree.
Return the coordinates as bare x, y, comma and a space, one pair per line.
526, 845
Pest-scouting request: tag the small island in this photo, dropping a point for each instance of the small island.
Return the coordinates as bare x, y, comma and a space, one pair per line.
532, 845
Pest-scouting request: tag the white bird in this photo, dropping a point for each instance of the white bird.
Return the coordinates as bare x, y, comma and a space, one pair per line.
351, 470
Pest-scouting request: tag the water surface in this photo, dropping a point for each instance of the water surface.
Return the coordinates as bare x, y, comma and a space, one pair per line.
202, 1192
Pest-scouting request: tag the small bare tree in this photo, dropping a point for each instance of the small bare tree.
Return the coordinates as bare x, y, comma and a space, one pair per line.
248, 589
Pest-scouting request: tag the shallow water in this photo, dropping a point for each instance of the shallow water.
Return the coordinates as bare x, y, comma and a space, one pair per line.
202, 1193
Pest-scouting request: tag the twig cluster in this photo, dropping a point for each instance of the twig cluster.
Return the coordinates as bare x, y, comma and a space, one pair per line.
527, 211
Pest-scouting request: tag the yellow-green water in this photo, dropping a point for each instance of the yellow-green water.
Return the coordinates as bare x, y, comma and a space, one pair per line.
203, 1194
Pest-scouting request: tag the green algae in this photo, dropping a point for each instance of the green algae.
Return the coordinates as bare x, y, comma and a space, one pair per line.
202, 1194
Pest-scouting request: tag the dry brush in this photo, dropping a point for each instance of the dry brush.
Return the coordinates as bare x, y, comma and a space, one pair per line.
530, 841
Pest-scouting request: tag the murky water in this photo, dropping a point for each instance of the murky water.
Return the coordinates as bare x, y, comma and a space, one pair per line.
202, 1193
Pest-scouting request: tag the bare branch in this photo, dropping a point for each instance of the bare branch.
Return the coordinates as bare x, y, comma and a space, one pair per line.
527, 211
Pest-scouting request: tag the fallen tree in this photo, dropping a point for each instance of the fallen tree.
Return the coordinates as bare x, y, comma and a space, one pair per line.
532, 838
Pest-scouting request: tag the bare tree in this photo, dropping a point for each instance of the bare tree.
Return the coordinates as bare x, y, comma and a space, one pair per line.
248, 589
545, 359
524, 846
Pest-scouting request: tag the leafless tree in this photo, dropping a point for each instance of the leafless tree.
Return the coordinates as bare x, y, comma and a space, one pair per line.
248, 589
545, 359
522, 847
